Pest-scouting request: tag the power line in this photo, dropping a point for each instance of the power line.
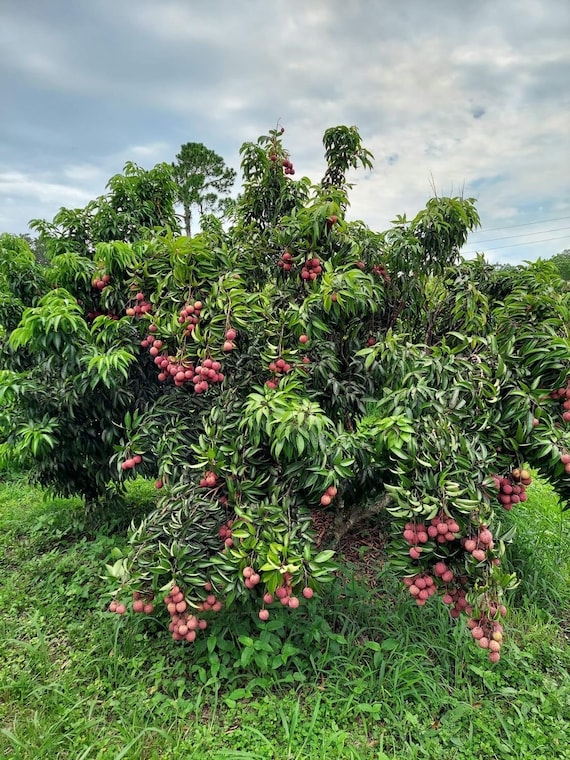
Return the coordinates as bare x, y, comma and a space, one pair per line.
528, 242
522, 234
514, 226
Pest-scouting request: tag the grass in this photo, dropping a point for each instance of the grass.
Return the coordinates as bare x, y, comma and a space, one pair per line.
360, 677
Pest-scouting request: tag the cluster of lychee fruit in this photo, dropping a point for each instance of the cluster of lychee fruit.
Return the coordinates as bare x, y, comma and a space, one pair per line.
455, 594
381, 271
512, 487
329, 495
286, 261
141, 603
284, 596
285, 163
456, 597
478, 544
287, 166
91, 315
415, 534
565, 459
225, 533
131, 462
202, 376
443, 528
181, 372
230, 336
251, 578
563, 396
211, 602
421, 587
189, 315
141, 306
100, 283
441, 570
488, 633
183, 624
312, 268
209, 480
279, 367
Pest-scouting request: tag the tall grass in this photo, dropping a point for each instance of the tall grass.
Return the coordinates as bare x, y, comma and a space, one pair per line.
364, 675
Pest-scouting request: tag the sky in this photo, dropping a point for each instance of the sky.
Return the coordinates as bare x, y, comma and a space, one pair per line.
456, 98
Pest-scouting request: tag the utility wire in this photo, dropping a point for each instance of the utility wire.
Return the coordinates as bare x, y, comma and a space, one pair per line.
528, 242
522, 234
514, 226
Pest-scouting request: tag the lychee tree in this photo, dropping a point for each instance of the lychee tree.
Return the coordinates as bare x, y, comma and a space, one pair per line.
295, 374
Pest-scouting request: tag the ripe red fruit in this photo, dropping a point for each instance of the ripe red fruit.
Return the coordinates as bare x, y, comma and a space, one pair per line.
304, 339
231, 334
293, 602
120, 609
263, 615
325, 500
308, 592
268, 598
228, 345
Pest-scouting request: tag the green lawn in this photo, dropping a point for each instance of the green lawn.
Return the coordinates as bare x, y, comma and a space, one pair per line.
364, 675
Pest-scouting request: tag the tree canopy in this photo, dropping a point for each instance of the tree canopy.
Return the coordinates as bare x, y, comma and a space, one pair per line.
286, 379
203, 179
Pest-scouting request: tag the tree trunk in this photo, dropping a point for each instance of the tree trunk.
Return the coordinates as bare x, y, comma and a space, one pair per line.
187, 220
346, 520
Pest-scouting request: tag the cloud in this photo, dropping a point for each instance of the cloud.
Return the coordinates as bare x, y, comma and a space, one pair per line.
461, 97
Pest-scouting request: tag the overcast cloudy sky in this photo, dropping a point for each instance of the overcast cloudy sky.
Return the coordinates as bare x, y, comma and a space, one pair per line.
468, 97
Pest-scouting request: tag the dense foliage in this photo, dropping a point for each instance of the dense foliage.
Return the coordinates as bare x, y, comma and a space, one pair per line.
286, 379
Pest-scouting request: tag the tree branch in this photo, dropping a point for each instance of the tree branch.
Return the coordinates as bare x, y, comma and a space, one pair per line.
344, 522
